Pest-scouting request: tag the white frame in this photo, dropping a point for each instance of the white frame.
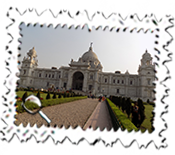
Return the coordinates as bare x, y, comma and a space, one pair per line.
9, 129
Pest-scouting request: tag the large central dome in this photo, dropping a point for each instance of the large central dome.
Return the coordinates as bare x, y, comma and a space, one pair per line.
89, 56
92, 59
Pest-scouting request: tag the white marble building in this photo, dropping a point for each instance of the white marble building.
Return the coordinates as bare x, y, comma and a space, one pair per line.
86, 75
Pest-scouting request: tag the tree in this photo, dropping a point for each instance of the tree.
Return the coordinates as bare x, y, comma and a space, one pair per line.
54, 96
148, 101
123, 104
64, 95
59, 95
120, 102
25, 95
141, 112
128, 107
38, 95
48, 95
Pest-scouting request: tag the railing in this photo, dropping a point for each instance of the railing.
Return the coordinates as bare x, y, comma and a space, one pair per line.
115, 122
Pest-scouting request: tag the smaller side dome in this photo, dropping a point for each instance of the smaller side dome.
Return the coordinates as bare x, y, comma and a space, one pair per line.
146, 55
32, 53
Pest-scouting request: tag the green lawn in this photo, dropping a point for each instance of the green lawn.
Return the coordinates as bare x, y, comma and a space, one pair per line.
146, 125
45, 102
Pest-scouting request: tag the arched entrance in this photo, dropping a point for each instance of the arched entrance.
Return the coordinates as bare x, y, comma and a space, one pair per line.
77, 82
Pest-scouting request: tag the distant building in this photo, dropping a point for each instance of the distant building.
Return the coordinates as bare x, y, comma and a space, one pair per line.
86, 75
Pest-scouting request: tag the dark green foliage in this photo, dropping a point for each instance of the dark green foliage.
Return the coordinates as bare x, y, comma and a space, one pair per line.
25, 95
119, 102
48, 95
123, 104
141, 112
128, 107
148, 101
54, 96
59, 95
38, 95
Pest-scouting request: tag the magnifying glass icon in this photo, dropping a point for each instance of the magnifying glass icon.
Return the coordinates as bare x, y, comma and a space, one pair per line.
35, 100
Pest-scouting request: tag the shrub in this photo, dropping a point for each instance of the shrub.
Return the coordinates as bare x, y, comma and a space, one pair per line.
125, 122
48, 95
141, 112
59, 96
123, 104
54, 96
25, 95
119, 102
38, 95
148, 101
128, 107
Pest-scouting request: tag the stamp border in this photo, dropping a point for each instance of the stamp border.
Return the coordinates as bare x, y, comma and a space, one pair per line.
64, 18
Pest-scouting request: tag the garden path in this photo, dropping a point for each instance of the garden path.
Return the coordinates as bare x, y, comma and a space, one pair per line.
100, 118
73, 114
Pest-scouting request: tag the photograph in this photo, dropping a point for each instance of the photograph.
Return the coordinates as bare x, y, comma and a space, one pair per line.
92, 78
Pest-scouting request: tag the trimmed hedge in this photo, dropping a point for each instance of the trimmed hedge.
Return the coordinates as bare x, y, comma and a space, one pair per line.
46, 103
125, 122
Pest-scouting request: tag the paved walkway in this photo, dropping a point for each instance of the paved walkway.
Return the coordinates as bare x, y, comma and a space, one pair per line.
68, 114
100, 118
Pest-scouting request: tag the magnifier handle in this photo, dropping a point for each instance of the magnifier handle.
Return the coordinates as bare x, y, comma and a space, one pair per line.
45, 117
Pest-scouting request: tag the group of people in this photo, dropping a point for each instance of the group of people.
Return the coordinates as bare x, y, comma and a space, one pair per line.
101, 98
91, 96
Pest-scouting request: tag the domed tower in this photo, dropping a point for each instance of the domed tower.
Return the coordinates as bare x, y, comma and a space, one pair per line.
27, 69
92, 59
146, 73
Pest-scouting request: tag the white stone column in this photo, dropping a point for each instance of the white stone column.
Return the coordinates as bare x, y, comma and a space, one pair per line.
85, 81
69, 83
126, 86
110, 82
95, 82
60, 80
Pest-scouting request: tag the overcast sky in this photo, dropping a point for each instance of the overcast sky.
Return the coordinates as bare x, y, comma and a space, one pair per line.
115, 50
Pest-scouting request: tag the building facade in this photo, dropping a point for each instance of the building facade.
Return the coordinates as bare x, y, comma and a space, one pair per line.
86, 75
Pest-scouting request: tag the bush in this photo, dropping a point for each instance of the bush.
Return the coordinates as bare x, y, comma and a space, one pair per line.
59, 96
125, 122
54, 96
48, 95
25, 95
148, 101
119, 102
38, 95
141, 112
123, 104
128, 107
